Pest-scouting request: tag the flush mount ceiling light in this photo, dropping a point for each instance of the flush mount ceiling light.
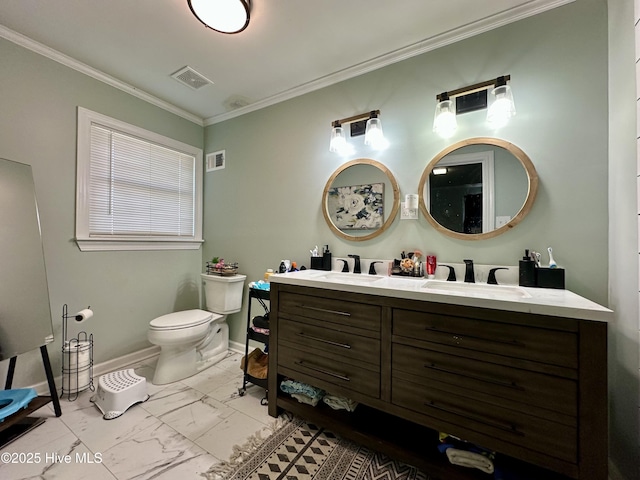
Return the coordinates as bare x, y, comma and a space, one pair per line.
372, 131
224, 16
472, 98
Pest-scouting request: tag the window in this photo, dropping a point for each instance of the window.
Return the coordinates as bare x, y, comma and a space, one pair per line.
136, 190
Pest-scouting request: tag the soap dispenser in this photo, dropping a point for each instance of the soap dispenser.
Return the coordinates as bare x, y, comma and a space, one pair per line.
527, 272
326, 259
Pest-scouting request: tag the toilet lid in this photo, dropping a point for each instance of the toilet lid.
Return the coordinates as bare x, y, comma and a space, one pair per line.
184, 319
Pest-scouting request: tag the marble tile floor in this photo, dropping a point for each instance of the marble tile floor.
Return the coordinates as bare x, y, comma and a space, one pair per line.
182, 430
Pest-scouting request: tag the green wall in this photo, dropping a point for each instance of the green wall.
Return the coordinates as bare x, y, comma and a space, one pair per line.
266, 205
126, 290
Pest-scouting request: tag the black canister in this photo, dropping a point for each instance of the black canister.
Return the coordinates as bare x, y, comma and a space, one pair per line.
527, 273
326, 259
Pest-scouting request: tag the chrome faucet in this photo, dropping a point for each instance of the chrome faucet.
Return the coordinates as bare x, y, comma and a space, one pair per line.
356, 266
469, 276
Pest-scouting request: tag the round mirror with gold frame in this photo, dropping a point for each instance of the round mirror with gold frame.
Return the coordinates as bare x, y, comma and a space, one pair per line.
478, 188
360, 200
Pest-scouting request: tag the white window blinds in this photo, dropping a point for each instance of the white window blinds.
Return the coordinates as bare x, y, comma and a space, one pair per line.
138, 188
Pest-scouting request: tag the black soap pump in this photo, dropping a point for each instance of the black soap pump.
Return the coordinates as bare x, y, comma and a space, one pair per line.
326, 258
527, 272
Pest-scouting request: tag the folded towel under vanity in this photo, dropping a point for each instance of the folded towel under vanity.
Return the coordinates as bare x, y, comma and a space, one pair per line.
340, 403
469, 459
294, 387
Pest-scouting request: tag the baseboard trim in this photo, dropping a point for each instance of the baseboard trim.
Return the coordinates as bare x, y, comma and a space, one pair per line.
120, 362
105, 367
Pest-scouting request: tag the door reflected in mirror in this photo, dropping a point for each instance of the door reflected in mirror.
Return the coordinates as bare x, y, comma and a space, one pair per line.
478, 188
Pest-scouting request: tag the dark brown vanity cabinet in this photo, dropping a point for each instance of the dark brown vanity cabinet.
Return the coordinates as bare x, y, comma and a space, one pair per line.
531, 387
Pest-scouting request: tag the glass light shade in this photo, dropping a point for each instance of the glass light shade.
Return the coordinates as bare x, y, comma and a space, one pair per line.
444, 121
502, 108
225, 16
373, 135
338, 143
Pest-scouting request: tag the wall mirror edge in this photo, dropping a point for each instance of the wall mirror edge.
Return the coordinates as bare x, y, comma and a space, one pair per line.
517, 152
392, 213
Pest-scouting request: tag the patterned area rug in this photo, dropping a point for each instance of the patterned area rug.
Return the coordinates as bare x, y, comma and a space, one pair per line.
302, 451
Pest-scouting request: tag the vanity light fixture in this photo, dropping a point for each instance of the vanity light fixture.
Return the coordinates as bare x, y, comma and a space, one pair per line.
472, 98
224, 16
338, 142
503, 107
444, 121
373, 135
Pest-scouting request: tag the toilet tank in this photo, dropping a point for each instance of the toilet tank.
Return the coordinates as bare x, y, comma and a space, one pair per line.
223, 294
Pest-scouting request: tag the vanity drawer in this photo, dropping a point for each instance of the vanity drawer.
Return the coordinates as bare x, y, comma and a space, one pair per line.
507, 384
519, 341
340, 312
334, 341
511, 426
338, 372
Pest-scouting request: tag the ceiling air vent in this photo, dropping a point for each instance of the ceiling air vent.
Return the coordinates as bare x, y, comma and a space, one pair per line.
192, 79
216, 161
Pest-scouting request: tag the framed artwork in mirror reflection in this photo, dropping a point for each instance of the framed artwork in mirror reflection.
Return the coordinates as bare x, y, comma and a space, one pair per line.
357, 207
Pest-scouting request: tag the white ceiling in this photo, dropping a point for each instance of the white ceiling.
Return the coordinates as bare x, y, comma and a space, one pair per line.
290, 46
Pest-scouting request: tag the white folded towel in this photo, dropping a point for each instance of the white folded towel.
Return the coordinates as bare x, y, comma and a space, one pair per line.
469, 459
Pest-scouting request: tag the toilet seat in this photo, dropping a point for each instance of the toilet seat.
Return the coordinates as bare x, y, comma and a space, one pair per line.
180, 320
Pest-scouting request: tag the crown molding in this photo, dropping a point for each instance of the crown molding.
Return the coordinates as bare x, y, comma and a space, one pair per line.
447, 38
67, 61
534, 7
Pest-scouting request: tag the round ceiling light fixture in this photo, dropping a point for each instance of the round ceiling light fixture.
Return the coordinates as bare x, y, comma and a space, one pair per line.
224, 16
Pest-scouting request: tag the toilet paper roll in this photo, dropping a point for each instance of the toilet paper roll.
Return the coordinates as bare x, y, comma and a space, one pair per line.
76, 355
75, 382
83, 315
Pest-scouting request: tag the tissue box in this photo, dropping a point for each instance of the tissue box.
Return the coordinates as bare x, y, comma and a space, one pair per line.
550, 278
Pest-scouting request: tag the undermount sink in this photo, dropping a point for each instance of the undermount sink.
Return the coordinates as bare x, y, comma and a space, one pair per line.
351, 278
494, 291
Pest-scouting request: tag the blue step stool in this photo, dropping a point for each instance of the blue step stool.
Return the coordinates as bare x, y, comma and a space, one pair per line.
13, 400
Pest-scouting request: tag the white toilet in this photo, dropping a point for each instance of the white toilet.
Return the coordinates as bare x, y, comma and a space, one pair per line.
193, 340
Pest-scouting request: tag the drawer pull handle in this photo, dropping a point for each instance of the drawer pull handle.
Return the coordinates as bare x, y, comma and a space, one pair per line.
325, 310
507, 427
322, 370
495, 381
329, 342
457, 337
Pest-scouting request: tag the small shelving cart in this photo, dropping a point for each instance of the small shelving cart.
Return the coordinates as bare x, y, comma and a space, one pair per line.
261, 296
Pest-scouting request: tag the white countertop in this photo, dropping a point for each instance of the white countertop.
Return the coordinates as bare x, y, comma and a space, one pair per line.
541, 301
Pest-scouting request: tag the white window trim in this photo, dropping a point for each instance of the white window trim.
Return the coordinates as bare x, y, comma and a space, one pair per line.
98, 243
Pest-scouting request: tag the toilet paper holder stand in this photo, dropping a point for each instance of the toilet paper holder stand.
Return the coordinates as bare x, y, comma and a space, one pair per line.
77, 357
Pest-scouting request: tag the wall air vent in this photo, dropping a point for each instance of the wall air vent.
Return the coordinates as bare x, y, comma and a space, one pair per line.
192, 79
216, 160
